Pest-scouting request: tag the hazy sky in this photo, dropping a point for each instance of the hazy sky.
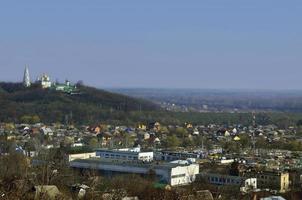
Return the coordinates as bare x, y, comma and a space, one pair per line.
156, 43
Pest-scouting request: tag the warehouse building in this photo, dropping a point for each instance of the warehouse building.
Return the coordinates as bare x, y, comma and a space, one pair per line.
173, 174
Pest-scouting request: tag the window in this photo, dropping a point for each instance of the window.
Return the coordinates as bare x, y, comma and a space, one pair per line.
178, 176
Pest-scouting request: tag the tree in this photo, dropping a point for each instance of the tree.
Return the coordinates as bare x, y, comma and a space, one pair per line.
181, 132
13, 166
234, 171
261, 143
30, 119
187, 142
164, 130
284, 122
35, 119
172, 142
14, 174
93, 142
244, 140
8, 127
26, 119
299, 122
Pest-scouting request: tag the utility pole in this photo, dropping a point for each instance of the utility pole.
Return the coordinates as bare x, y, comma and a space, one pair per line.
202, 145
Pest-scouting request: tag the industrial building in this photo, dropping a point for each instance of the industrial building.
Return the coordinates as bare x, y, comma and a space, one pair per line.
276, 180
169, 173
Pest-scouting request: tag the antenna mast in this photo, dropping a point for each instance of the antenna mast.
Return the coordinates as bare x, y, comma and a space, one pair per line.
254, 130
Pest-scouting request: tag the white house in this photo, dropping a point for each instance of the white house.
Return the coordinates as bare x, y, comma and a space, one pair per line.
47, 131
248, 185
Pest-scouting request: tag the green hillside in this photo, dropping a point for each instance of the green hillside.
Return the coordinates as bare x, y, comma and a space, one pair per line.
90, 105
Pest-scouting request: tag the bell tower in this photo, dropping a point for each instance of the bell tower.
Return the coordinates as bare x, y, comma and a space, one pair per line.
26, 77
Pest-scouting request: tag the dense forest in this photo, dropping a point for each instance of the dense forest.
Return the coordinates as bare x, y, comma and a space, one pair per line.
90, 104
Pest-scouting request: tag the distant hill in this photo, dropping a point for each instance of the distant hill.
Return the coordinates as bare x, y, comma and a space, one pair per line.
91, 105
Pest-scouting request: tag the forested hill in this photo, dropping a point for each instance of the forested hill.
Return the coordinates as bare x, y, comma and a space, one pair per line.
90, 105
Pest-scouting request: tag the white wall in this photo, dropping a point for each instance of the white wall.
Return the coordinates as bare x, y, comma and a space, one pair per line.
145, 156
249, 184
124, 155
72, 157
183, 175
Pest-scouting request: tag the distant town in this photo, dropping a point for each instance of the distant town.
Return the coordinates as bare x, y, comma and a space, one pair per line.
163, 160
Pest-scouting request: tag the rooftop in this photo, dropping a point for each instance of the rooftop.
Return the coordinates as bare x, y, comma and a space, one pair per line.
116, 151
164, 165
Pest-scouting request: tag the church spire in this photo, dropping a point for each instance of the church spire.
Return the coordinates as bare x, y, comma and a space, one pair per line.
26, 78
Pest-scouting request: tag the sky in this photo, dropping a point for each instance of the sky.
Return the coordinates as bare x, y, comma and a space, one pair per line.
233, 44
